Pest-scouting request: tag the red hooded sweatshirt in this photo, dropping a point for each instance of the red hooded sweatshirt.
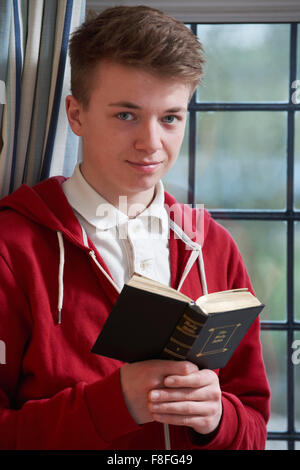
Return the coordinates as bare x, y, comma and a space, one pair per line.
55, 295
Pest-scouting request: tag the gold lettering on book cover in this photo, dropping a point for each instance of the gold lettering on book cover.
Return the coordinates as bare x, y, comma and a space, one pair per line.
172, 353
188, 326
186, 331
180, 343
177, 348
194, 322
218, 339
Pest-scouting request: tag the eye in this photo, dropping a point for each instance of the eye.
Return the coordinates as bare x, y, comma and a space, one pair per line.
170, 119
125, 116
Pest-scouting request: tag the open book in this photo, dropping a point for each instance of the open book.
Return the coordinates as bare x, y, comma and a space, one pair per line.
153, 321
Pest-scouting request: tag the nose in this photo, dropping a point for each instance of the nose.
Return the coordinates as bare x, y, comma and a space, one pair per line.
148, 138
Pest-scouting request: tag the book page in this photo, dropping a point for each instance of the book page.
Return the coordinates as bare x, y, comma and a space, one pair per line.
227, 300
150, 285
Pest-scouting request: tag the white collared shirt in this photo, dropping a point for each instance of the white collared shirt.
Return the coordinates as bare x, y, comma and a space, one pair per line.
126, 245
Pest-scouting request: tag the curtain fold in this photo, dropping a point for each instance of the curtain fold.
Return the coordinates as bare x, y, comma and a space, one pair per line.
35, 139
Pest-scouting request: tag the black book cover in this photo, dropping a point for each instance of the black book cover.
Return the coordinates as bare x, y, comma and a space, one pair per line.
139, 325
143, 325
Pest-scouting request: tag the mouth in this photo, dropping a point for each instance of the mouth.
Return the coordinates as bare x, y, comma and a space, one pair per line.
144, 166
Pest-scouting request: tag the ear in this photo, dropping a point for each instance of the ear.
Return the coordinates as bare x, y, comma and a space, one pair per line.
74, 114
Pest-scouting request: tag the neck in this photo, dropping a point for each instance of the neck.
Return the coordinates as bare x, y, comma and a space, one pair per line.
134, 204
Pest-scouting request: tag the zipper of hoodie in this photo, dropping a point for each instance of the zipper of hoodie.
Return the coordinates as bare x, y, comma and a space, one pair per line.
94, 258
92, 254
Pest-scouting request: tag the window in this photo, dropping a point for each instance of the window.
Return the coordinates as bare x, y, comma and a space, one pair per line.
241, 159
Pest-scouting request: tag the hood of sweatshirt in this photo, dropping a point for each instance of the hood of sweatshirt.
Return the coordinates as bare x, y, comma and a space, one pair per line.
45, 204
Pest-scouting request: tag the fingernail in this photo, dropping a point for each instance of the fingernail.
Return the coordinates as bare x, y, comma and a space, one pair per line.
169, 380
154, 395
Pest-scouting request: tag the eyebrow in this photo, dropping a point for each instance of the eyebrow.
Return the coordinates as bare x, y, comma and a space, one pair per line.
125, 104
129, 105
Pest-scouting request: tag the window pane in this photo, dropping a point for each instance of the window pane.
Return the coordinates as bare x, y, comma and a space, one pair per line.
274, 351
241, 160
297, 156
263, 247
296, 361
276, 445
297, 272
245, 62
176, 180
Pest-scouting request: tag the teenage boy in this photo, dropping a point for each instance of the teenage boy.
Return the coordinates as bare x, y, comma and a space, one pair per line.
63, 262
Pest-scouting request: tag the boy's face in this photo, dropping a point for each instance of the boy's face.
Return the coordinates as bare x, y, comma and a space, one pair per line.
131, 131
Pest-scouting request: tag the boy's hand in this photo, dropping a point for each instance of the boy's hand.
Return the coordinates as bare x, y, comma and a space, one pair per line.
139, 378
172, 392
192, 400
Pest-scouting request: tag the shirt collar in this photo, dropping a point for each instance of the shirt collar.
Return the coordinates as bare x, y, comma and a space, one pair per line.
98, 211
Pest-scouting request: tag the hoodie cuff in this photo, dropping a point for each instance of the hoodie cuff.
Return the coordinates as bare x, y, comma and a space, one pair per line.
108, 410
224, 435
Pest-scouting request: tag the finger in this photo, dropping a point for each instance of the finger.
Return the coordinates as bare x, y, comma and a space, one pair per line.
185, 408
199, 378
181, 368
168, 367
178, 394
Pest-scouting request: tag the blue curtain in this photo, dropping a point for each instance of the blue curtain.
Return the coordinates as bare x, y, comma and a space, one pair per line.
35, 138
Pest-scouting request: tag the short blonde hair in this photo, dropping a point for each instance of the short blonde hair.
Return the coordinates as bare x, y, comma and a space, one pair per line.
141, 37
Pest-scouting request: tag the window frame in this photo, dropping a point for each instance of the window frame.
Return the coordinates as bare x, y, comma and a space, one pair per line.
290, 215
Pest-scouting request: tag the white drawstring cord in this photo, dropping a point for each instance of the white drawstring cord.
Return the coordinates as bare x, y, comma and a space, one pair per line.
61, 270
60, 274
202, 272
196, 249
167, 437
